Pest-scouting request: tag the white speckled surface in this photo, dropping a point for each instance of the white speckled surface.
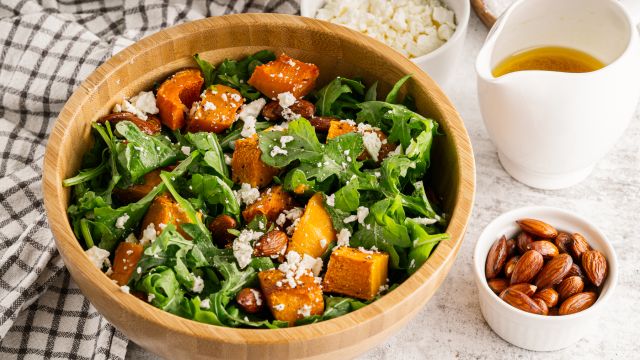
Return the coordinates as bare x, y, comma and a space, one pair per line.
451, 326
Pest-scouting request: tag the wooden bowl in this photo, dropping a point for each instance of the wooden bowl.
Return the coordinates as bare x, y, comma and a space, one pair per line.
337, 51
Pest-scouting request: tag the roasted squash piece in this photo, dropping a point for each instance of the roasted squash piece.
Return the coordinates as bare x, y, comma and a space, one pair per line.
356, 273
337, 128
285, 74
177, 94
270, 204
287, 303
125, 262
216, 110
315, 231
151, 126
138, 191
246, 166
164, 211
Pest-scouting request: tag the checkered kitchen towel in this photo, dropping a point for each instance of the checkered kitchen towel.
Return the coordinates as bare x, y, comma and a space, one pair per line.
47, 48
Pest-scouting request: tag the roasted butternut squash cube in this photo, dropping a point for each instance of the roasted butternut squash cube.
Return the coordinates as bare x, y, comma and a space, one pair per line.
177, 94
164, 211
291, 303
125, 262
246, 166
271, 203
136, 192
337, 128
285, 74
216, 110
315, 232
356, 273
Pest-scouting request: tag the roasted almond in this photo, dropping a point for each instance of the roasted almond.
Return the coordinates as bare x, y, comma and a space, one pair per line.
520, 301
527, 289
250, 300
219, 226
538, 228
549, 296
274, 243
522, 242
575, 271
545, 248
498, 285
553, 311
527, 267
577, 303
510, 265
543, 305
554, 271
496, 258
563, 242
511, 247
578, 246
595, 266
569, 287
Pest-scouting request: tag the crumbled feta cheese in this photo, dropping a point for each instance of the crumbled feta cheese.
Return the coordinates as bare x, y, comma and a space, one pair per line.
323, 243
396, 151
150, 297
413, 27
383, 288
242, 249
284, 140
343, 237
121, 221
286, 99
140, 105
186, 150
249, 127
125, 289
148, 235
277, 150
198, 284
248, 114
163, 225
205, 304
129, 252
350, 219
139, 270
227, 159
209, 106
247, 194
296, 266
257, 296
98, 256
278, 307
362, 214
331, 200
372, 144
305, 310
236, 97
424, 220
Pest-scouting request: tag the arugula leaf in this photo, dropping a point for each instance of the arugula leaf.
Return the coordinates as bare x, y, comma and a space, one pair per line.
392, 170
304, 146
208, 70
229, 139
141, 153
423, 244
347, 198
329, 94
337, 217
87, 174
392, 96
339, 158
208, 145
334, 306
184, 204
372, 92
162, 283
110, 140
296, 181
336, 98
215, 191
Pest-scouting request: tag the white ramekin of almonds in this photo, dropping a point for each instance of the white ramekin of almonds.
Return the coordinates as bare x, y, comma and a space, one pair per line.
429, 32
543, 275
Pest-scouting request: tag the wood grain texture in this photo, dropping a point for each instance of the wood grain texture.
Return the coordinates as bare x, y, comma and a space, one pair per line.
483, 12
337, 51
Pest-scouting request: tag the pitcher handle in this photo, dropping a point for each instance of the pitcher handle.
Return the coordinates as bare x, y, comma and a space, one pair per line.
633, 7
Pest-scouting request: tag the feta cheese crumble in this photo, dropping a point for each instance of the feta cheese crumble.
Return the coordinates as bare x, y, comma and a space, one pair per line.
121, 221
98, 256
148, 235
296, 266
279, 307
140, 105
277, 150
305, 310
424, 221
286, 99
205, 304
343, 238
125, 289
242, 248
249, 114
413, 27
331, 200
372, 144
198, 284
186, 150
247, 194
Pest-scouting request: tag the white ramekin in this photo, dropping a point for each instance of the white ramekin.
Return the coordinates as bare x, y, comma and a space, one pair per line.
441, 63
530, 331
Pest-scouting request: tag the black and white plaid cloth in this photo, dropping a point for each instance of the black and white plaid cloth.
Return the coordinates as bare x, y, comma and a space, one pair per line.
47, 48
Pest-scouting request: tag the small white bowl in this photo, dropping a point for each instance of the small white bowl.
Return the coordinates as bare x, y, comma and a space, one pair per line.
441, 63
530, 331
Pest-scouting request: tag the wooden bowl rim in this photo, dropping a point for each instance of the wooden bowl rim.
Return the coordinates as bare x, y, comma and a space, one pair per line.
68, 244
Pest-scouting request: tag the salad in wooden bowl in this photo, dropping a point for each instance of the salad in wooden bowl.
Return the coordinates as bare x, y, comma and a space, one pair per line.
241, 194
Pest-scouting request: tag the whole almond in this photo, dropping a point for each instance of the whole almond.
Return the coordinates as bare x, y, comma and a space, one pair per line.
578, 246
522, 242
563, 242
575, 271
511, 248
595, 266
538, 228
273, 243
549, 296
498, 285
577, 303
545, 248
219, 227
496, 258
554, 271
543, 306
527, 267
510, 265
520, 301
553, 311
524, 288
569, 287
250, 300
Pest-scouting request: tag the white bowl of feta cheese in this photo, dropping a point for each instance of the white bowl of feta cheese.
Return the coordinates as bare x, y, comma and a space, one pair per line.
429, 32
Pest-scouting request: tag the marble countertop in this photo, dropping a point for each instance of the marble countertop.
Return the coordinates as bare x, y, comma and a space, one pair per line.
451, 325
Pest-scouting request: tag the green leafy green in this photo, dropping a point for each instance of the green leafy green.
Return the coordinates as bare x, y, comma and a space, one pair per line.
208, 145
304, 146
392, 96
214, 191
